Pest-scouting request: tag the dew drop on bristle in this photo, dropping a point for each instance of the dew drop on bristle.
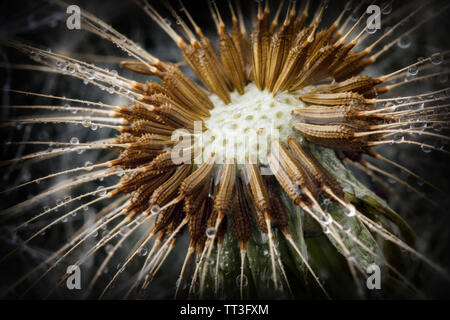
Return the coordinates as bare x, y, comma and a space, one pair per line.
436, 59
74, 140
86, 123
425, 148
155, 209
413, 70
210, 232
167, 21
120, 172
101, 191
123, 230
88, 165
140, 219
142, 251
349, 212
400, 139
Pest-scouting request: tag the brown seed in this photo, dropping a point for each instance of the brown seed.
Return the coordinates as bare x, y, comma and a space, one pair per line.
257, 214
278, 212
314, 168
335, 99
226, 185
241, 221
257, 187
294, 193
316, 114
163, 192
339, 137
358, 84
198, 178
294, 170
197, 223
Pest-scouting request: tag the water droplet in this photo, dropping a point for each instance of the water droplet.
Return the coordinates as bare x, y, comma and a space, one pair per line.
210, 232
436, 59
400, 139
392, 107
140, 219
244, 280
101, 191
142, 251
371, 30
74, 140
350, 211
86, 123
94, 126
413, 70
404, 42
425, 148
155, 209
387, 8
88, 165
123, 230
399, 100
90, 75
437, 127
120, 172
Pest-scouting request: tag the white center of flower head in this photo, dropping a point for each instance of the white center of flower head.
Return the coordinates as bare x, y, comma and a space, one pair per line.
244, 128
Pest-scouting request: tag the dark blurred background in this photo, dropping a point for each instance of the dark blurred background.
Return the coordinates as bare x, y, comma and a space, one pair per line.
43, 25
